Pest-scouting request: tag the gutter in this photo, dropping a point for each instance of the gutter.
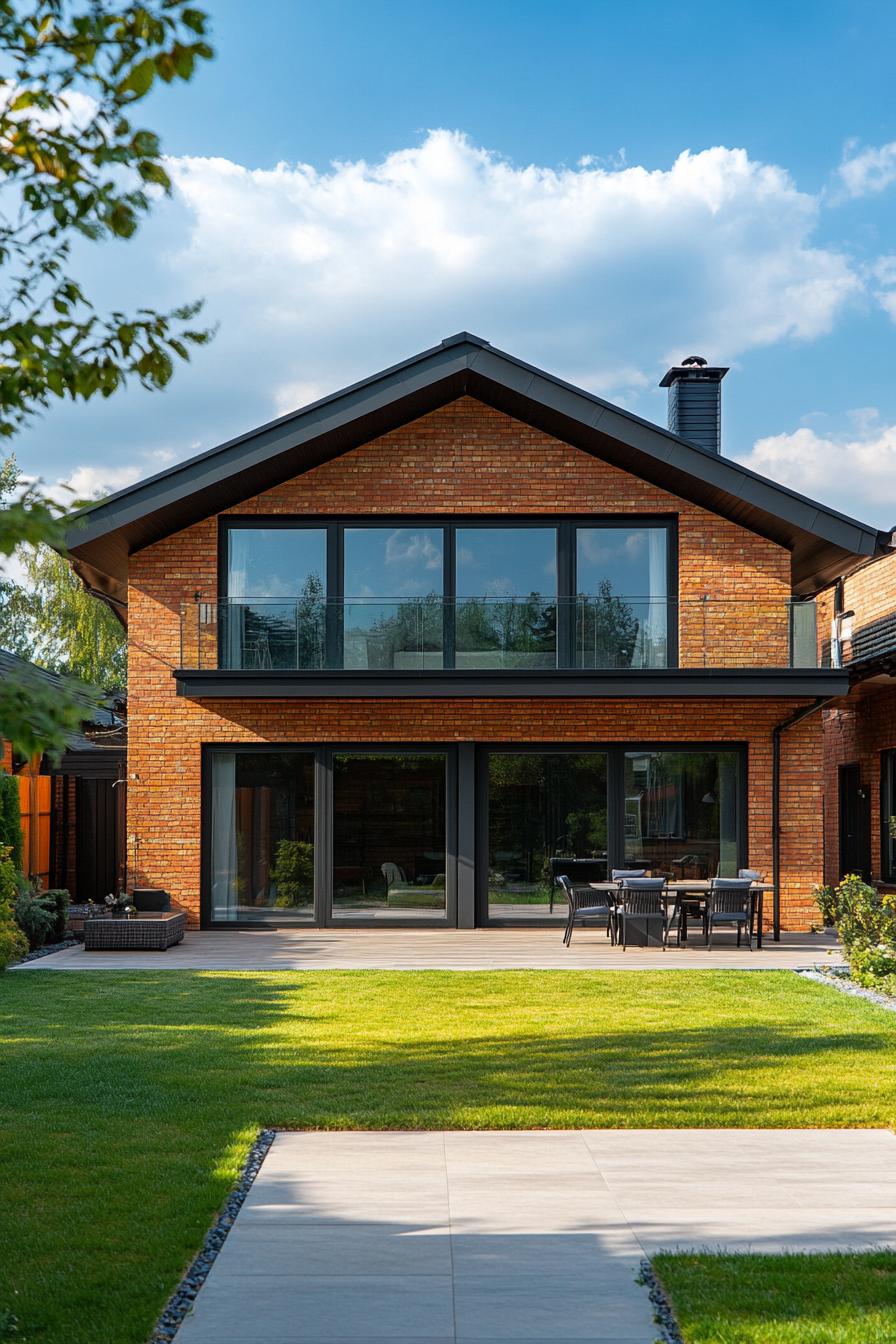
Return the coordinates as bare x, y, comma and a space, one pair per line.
777, 733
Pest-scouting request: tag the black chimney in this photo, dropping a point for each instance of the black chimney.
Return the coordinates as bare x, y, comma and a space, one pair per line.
695, 402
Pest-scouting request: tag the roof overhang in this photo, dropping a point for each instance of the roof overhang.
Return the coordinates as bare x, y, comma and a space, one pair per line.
823, 543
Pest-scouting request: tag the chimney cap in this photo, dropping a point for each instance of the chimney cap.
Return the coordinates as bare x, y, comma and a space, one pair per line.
695, 366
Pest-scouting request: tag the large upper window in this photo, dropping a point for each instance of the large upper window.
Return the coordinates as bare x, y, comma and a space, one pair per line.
506, 597
442, 594
274, 612
393, 584
622, 596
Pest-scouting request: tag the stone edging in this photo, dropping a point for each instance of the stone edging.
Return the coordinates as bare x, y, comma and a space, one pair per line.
844, 985
46, 951
662, 1307
181, 1300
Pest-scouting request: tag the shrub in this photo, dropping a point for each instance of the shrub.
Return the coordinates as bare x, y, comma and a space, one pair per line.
11, 817
35, 916
865, 920
58, 900
13, 944
294, 872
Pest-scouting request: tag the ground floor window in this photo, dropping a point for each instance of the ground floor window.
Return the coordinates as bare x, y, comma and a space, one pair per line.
681, 812
262, 835
541, 805
471, 834
389, 834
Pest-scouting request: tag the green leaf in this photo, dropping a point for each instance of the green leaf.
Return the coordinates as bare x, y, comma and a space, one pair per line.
140, 79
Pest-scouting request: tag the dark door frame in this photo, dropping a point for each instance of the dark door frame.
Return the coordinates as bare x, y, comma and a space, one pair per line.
322, 916
615, 753
849, 776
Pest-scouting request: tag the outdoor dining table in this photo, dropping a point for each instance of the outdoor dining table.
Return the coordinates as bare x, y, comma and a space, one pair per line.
696, 888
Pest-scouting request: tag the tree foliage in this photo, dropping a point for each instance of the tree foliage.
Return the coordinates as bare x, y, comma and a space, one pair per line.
74, 166
10, 817
52, 619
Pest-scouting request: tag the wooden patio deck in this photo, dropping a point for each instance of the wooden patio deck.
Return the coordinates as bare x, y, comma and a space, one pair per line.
443, 949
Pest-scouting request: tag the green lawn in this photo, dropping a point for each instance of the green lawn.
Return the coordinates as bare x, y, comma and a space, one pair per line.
793, 1299
127, 1100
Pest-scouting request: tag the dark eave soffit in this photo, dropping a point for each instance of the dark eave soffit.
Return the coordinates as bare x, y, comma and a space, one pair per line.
822, 541
665, 683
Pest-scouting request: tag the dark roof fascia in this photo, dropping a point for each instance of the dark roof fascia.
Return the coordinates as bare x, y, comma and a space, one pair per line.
632, 684
89, 763
824, 542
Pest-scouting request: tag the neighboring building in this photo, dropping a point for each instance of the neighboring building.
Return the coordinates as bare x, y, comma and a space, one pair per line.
391, 653
73, 808
857, 621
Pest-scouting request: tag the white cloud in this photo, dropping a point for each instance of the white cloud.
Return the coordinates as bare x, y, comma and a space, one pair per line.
855, 472
95, 482
321, 277
868, 171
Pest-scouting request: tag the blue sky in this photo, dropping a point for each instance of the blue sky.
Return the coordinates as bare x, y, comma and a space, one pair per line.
597, 188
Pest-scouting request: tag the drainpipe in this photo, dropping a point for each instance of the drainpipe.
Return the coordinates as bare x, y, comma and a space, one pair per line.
777, 731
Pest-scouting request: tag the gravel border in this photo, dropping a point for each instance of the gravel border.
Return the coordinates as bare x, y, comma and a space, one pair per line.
841, 981
662, 1307
181, 1300
46, 951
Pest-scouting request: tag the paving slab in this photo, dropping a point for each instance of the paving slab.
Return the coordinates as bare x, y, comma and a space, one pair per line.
461, 1238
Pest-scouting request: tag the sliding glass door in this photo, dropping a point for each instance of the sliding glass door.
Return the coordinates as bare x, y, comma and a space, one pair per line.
316, 835
371, 834
260, 840
682, 812
390, 836
547, 813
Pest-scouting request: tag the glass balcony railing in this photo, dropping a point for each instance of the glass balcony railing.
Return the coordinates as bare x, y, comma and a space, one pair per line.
507, 634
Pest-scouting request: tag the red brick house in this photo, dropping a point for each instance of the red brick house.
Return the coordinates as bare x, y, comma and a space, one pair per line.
857, 622
393, 652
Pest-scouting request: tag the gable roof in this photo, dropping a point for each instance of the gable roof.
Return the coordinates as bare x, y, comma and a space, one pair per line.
823, 542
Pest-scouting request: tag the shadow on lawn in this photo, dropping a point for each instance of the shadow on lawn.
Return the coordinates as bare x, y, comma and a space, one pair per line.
261, 1050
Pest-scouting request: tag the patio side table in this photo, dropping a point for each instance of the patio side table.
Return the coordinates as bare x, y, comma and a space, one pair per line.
151, 933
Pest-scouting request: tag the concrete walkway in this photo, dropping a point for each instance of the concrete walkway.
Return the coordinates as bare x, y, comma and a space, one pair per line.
445, 950
512, 1236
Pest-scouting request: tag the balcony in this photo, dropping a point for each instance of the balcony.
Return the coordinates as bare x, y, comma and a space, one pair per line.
435, 645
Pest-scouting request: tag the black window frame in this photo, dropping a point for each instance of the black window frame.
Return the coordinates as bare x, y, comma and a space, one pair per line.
615, 753
565, 526
323, 754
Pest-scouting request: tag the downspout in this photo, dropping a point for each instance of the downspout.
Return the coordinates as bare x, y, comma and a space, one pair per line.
777, 731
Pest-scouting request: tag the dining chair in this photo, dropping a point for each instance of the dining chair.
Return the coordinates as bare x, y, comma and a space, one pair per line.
730, 902
585, 904
641, 898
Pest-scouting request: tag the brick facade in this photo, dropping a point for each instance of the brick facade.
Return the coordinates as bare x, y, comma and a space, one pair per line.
469, 459
858, 728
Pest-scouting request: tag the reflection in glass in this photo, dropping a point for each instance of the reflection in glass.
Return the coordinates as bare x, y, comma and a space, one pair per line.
275, 612
389, 850
262, 836
393, 584
506, 613
542, 805
681, 811
622, 597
